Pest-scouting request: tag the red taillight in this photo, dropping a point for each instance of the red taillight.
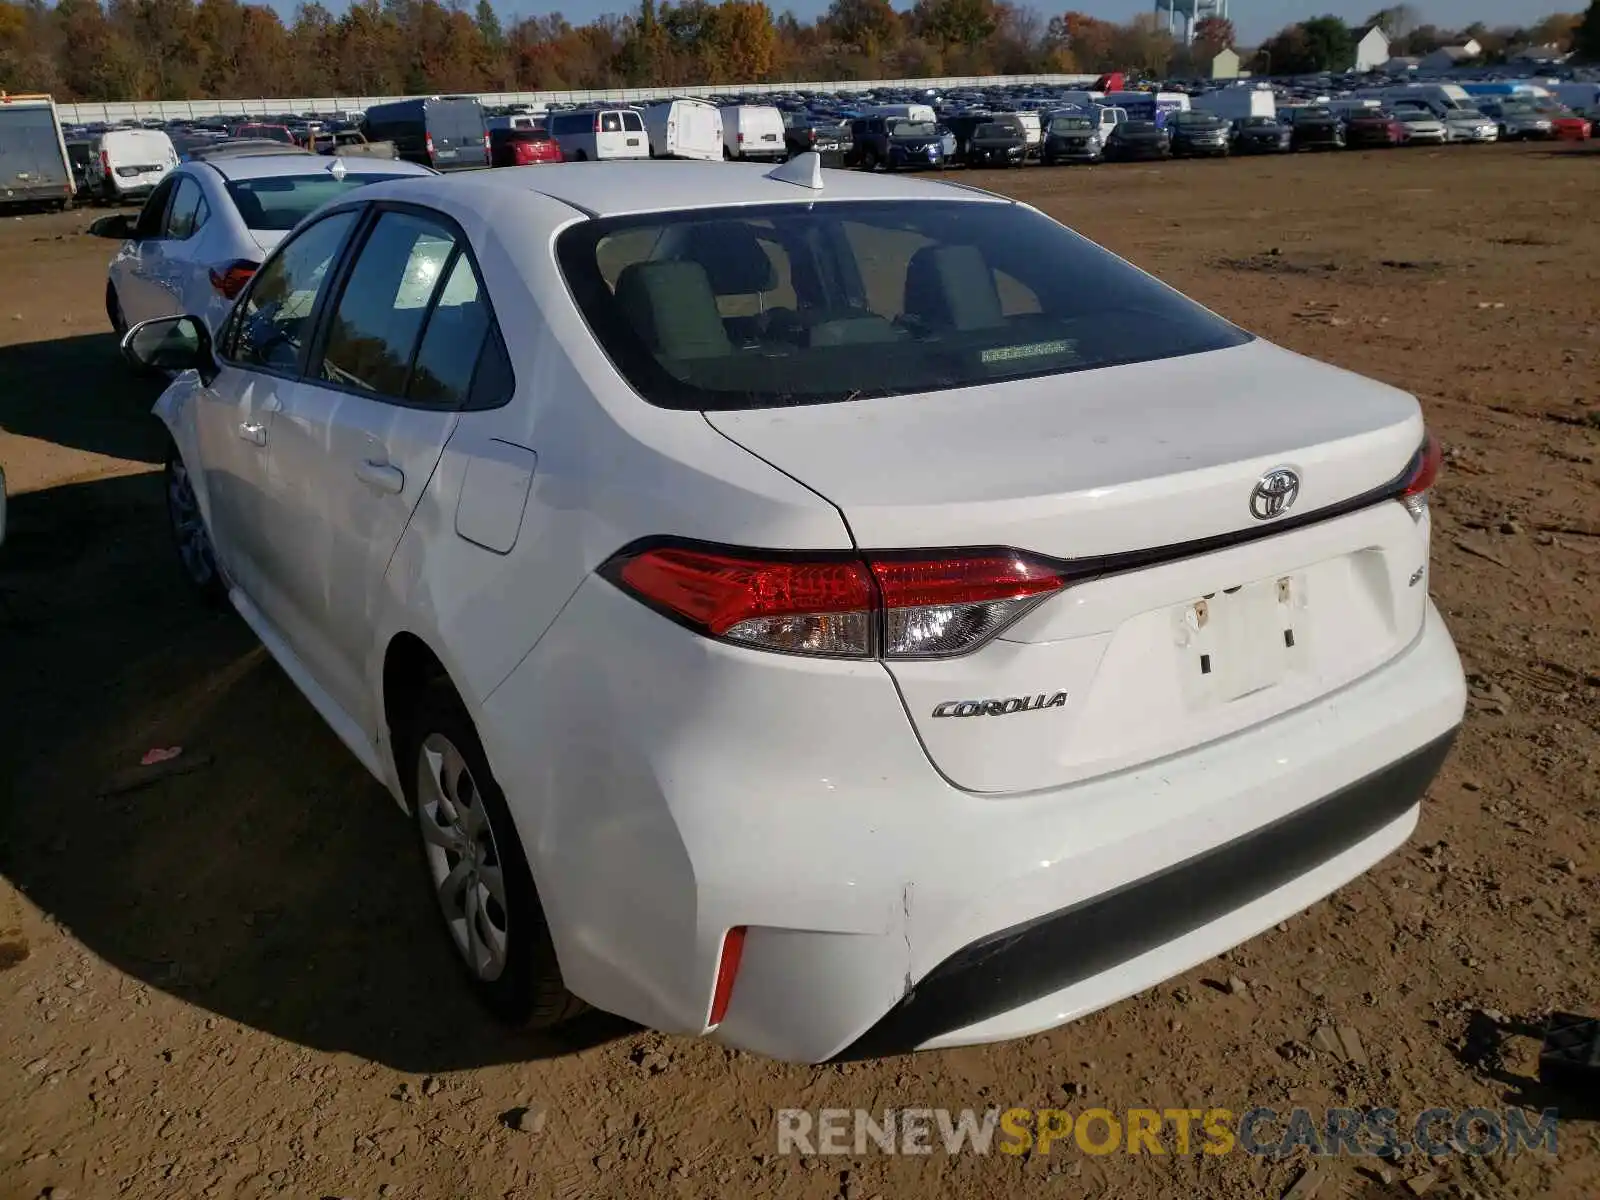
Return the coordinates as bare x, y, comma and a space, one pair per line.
486, 142
105, 162
911, 605
231, 279
427, 143
1420, 476
727, 972
738, 137
777, 604
597, 123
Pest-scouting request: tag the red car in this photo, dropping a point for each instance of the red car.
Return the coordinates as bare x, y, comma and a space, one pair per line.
1569, 127
1374, 129
522, 147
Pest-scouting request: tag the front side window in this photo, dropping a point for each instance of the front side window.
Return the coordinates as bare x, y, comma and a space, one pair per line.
810, 304
272, 321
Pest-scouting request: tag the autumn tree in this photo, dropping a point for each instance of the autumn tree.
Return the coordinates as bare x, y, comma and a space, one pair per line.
1586, 37
866, 26
1212, 34
954, 22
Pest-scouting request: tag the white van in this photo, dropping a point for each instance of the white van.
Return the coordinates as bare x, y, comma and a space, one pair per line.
597, 134
127, 164
684, 129
753, 131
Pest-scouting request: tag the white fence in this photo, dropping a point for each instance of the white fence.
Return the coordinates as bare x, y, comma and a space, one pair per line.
138, 110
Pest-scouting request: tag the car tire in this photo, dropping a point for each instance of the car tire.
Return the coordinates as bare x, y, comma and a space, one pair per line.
190, 537
469, 844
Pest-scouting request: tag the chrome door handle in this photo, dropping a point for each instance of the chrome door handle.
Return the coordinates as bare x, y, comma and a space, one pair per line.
253, 432
381, 476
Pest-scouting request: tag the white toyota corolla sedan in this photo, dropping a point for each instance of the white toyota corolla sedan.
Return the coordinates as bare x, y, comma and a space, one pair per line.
830, 613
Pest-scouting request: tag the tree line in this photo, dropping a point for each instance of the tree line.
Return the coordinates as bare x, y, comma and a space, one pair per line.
107, 50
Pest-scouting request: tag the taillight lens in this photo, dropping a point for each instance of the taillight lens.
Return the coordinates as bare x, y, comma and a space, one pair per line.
900, 606
936, 607
230, 280
797, 607
1420, 476
486, 143
427, 143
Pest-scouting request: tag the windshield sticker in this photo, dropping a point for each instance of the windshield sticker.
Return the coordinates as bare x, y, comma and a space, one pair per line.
1002, 354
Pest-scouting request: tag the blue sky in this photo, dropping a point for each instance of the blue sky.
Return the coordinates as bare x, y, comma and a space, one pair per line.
1255, 19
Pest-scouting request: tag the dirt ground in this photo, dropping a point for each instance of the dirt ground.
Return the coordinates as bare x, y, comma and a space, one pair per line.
231, 983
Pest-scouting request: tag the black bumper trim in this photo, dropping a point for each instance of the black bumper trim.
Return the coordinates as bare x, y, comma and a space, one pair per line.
1018, 965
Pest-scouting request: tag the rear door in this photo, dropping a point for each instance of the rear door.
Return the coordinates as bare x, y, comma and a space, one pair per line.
169, 265
358, 438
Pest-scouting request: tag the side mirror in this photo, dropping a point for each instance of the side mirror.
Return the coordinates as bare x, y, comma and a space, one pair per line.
117, 225
171, 344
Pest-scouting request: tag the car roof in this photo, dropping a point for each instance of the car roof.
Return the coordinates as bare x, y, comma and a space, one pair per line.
266, 166
642, 186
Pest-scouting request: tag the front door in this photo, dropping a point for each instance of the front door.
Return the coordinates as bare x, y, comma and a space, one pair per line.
260, 354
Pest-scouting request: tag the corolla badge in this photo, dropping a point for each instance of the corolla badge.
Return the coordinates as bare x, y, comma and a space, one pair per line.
1274, 494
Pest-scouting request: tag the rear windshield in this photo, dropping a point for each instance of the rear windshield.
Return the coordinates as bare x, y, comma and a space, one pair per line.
1068, 124
283, 201
818, 303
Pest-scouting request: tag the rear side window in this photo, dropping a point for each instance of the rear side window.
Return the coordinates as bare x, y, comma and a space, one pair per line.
610, 122
379, 315
632, 122
808, 304
448, 353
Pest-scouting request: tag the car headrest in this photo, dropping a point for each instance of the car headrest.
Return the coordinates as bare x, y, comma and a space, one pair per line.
734, 262
952, 287
670, 305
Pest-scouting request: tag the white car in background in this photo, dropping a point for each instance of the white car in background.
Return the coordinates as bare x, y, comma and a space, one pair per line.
833, 613
209, 224
1468, 125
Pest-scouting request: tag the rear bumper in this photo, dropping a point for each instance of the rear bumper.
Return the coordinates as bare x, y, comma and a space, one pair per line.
668, 788
1018, 967
34, 193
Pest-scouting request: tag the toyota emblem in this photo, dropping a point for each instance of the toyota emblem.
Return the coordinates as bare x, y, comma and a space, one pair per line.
1274, 494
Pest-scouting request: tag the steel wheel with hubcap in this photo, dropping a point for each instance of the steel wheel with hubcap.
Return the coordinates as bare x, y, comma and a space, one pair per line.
476, 867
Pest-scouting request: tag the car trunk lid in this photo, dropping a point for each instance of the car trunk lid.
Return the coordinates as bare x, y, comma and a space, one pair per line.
1186, 617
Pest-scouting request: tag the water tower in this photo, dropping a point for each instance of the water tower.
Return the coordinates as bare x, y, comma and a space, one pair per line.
1189, 13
